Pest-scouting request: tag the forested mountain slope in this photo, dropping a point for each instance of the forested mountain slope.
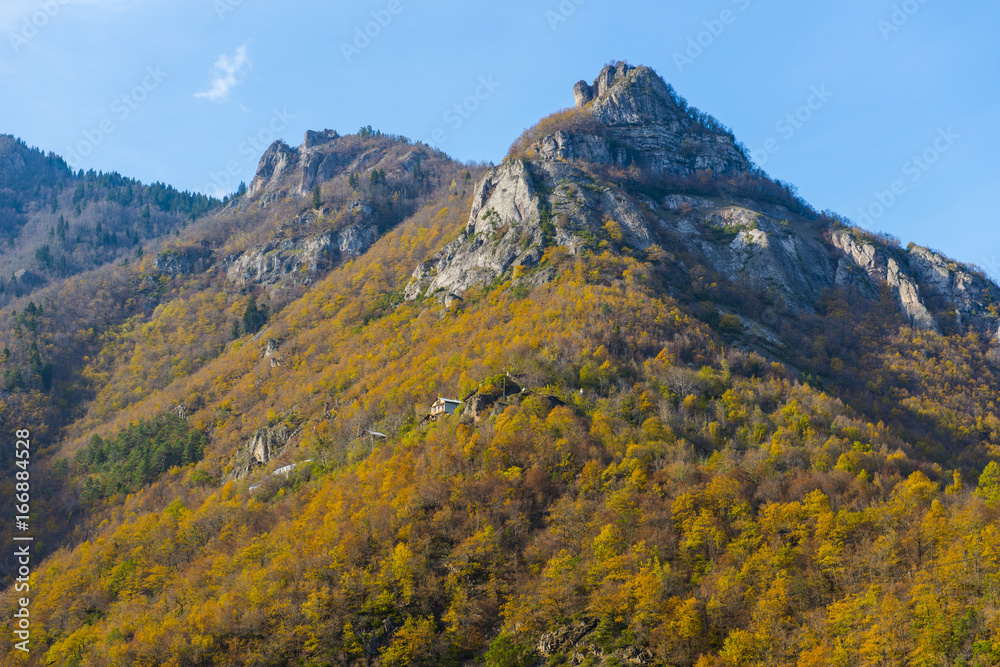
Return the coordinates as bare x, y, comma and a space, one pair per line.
56, 223
703, 424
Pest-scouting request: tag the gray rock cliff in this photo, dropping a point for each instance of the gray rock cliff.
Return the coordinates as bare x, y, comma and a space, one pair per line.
649, 125
297, 261
554, 196
881, 268
297, 170
263, 446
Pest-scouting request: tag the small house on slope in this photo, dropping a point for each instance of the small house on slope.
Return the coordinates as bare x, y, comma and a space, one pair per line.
444, 406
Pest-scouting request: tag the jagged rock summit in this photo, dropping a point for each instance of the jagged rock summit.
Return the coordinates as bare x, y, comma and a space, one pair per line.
319, 158
650, 125
313, 162
357, 187
629, 118
621, 168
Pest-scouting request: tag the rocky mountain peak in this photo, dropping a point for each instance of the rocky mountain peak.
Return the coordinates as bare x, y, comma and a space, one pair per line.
277, 160
313, 158
314, 139
325, 155
367, 183
648, 125
549, 193
584, 92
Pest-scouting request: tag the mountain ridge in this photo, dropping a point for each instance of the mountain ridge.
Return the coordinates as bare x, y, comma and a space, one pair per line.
706, 425
515, 194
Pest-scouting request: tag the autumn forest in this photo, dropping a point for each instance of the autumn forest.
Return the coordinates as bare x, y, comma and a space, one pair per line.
658, 459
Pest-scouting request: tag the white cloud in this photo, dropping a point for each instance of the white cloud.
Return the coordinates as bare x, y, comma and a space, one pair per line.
229, 72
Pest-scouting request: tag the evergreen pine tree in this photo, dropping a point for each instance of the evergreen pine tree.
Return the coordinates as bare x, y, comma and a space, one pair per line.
253, 318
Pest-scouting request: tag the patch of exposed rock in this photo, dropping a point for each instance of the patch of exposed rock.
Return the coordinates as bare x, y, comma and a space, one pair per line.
263, 446
482, 401
182, 261
634, 119
298, 261
318, 165
298, 170
322, 156
968, 294
271, 347
519, 209
778, 258
277, 162
649, 125
878, 267
678, 202
504, 231
562, 145
28, 280
768, 256
574, 642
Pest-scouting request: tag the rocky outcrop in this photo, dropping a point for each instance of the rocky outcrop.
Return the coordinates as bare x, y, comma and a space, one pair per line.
318, 164
629, 117
575, 643
321, 157
520, 208
879, 267
679, 202
361, 207
314, 139
767, 256
562, 145
564, 639
755, 248
298, 261
302, 249
583, 93
297, 170
271, 347
649, 125
27, 279
504, 231
278, 160
967, 294
484, 399
317, 168
182, 261
263, 446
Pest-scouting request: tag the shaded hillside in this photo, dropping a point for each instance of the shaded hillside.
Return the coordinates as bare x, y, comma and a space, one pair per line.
705, 424
56, 223
78, 350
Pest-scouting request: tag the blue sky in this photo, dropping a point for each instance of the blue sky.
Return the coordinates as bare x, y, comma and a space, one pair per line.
883, 110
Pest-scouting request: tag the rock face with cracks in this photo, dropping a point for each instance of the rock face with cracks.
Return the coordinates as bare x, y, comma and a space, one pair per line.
298, 261
309, 165
650, 126
554, 195
263, 446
